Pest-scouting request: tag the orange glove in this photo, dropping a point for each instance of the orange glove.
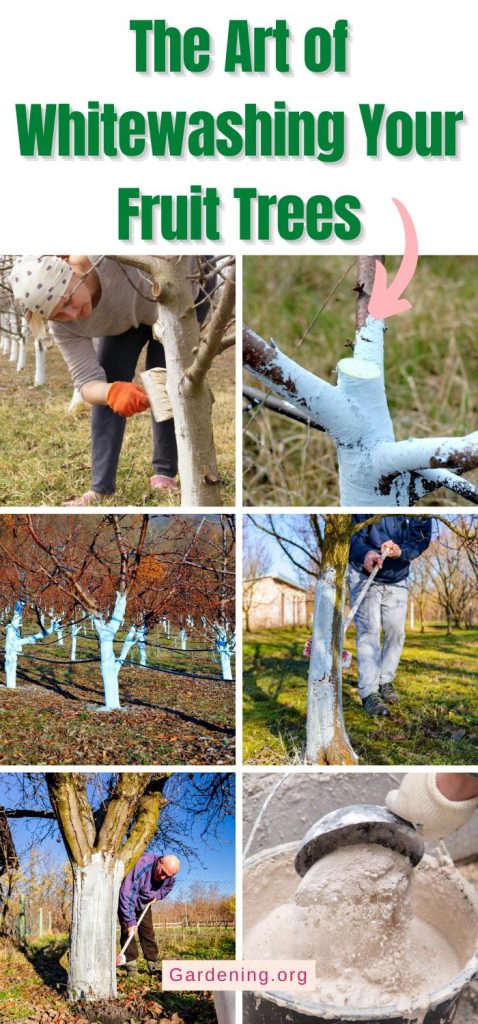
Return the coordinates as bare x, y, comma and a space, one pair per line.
127, 399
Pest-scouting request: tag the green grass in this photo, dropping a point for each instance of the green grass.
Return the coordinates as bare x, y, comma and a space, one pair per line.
45, 451
436, 721
33, 983
431, 364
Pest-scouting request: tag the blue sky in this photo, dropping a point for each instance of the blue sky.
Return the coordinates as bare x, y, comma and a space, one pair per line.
215, 856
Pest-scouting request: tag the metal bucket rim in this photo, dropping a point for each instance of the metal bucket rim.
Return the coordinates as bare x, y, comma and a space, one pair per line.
316, 1009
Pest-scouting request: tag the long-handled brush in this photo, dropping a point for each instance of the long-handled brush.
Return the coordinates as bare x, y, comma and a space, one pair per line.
120, 958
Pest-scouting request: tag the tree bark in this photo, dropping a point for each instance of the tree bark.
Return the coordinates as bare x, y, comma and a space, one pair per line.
189, 393
100, 858
92, 970
327, 740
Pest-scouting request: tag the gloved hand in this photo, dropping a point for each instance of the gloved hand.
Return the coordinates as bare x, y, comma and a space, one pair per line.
419, 800
127, 399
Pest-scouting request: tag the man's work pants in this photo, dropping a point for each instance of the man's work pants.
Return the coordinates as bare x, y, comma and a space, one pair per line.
146, 937
384, 608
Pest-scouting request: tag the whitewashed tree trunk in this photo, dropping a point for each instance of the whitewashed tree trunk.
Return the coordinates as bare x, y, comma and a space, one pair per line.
60, 635
13, 349
110, 664
6, 346
374, 468
13, 646
92, 970
14, 643
22, 354
224, 651
75, 626
40, 363
184, 639
141, 634
327, 741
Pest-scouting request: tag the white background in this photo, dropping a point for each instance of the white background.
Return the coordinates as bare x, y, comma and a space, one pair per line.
417, 55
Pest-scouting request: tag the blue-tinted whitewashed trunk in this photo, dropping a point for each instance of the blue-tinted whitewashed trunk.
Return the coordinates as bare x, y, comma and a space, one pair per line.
110, 664
141, 633
75, 626
14, 643
224, 651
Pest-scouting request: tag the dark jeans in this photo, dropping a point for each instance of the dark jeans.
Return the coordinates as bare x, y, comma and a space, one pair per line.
146, 938
118, 355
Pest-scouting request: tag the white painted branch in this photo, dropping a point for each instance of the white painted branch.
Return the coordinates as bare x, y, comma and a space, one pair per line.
444, 478
323, 402
417, 454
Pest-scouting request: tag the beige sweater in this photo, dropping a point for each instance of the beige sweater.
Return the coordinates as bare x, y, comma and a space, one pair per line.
120, 307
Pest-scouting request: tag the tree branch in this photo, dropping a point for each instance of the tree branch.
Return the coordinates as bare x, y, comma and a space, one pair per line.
210, 347
278, 405
68, 797
146, 824
444, 478
326, 406
391, 458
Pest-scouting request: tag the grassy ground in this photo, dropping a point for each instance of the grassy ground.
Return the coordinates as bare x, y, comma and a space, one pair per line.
167, 718
45, 451
33, 985
431, 364
436, 721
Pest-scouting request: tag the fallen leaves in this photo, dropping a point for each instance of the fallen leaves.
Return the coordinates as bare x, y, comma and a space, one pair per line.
164, 721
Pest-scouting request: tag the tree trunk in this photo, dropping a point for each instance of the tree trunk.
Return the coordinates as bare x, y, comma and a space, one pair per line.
74, 633
327, 740
92, 971
40, 360
12, 647
109, 668
110, 664
22, 354
191, 402
223, 648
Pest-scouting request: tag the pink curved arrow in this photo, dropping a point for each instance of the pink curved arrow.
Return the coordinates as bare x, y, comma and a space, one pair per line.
385, 301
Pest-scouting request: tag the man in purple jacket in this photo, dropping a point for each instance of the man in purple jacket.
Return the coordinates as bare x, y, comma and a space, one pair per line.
152, 878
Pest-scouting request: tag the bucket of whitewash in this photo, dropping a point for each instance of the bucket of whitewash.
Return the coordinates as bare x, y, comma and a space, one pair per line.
441, 898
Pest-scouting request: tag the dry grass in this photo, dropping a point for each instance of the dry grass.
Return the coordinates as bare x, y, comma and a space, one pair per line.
431, 365
45, 451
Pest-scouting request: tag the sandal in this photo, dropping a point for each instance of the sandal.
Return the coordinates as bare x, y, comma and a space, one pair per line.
88, 498
163, 483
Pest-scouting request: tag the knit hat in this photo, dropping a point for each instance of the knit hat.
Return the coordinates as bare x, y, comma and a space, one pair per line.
39, 282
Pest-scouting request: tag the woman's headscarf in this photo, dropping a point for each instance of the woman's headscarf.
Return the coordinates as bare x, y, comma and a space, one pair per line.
39, 282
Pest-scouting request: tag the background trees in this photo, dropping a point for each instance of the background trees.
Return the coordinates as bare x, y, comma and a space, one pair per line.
119, 573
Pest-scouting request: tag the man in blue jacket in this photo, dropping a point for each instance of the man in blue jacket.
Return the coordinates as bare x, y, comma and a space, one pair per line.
391, 543
152, 878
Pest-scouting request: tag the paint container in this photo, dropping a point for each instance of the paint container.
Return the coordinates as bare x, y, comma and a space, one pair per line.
155, 382
271, 872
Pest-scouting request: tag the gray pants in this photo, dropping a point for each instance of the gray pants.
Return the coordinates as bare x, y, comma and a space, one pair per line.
118, 355
384, 608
